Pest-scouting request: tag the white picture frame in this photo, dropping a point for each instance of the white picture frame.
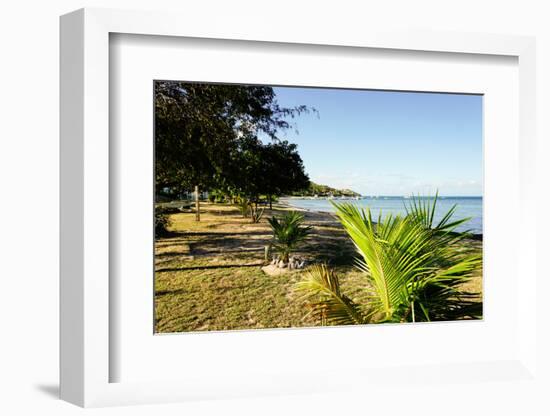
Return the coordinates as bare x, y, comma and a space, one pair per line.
86, 356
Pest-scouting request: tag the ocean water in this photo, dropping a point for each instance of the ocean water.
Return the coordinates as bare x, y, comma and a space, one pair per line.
467, 207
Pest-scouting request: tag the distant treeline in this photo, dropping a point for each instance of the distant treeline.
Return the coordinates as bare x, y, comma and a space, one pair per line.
323, 191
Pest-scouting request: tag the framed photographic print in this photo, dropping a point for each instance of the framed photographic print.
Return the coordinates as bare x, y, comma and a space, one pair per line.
359, 219
273, 214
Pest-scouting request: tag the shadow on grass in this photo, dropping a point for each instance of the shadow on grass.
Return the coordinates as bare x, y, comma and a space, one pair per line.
189, 292
174, 254
224, 212
170, 236
221, 266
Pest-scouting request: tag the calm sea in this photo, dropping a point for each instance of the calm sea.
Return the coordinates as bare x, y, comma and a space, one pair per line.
471, 207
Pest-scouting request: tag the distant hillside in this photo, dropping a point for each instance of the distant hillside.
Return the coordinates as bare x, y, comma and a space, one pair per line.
324, 190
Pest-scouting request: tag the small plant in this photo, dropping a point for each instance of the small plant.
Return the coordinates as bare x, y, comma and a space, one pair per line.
256, 214
216, 196
242, 204
411, 263
321, 292
288, 233
162, 221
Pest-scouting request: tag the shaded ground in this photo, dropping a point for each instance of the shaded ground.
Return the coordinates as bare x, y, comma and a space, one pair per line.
208, 273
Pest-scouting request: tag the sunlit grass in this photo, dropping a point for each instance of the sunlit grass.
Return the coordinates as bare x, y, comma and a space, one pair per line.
209, 277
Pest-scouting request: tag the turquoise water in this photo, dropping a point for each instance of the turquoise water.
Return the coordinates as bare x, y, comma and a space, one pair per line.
471, 207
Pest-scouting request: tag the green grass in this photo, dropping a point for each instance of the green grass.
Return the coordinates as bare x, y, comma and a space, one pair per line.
231, 298
208, 274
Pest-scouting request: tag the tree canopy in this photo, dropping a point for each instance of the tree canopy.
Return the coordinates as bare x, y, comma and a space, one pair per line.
202, 129
267, 169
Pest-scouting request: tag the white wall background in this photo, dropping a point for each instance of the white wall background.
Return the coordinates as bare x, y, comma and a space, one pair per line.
29, 184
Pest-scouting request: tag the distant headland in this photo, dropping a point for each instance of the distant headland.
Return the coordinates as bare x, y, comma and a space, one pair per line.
315, 189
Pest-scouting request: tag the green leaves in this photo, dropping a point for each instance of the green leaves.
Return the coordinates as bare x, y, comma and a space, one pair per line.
265, 169
202, 132
320, 290
414, 268
288, 232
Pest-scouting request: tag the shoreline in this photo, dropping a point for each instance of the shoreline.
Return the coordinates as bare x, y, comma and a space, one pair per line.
283, 201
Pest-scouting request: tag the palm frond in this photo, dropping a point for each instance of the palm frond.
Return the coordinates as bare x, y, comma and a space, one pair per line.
423, 211
288, 232
320, 290
412, 265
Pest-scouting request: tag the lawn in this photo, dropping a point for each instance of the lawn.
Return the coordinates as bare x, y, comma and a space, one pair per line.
208, 274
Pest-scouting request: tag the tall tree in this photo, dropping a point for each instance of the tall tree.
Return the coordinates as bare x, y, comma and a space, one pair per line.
284, 170
266, 170
198, 128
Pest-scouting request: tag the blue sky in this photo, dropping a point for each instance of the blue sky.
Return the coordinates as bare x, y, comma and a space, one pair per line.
389, 143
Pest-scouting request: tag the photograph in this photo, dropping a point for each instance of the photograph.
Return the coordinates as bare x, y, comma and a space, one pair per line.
296, 206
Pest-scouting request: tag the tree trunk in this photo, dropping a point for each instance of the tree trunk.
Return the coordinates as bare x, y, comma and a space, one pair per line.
270, 204
253, 211
197, 204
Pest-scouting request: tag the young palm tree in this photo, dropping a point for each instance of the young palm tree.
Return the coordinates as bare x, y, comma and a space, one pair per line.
412, 265
242, 203
321, 289
288, 233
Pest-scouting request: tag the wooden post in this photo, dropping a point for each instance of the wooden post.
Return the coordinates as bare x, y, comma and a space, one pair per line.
197, 204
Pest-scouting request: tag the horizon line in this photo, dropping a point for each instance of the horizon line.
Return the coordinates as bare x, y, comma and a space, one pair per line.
421, 196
